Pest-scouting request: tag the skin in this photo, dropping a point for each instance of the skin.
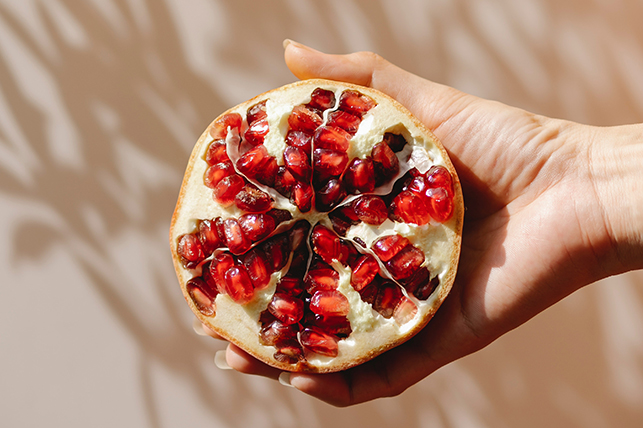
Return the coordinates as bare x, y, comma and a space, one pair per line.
552, 206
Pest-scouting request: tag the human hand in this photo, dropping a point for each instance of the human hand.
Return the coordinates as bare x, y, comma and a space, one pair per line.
541, 221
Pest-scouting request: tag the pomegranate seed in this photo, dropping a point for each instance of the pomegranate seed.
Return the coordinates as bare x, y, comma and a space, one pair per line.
325, 243
385, 163
329, 303
329, 163
340, 222
348, 253
218, 267
395, 141
287, 309
257, 226
424, 292
257, 266
370, 209
236, 241
211, 288
302, 196
304, 119
322, 99
268, 172
365, 270
369, 293
388, 246
239, 285
404, 311
321, 278
439, 204
253, 200
257, 132
333, 138
300, 140
256, 112
336, 326
299, 262
215, 173
292, 285
279, 215
226, 190
418, 185
219, 129
407, 207
297, 162
251, 162
275, 332
190, 250
388, 297
289, 351
355, 103
330, 195
298, 234
209, 236
277, 249
360, 176
284, 181
416, 281
439, 176
203, 301
216, 153
346, 121
406, 262
319, 342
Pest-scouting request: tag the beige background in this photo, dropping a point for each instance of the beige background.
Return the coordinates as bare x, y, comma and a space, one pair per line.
100, 103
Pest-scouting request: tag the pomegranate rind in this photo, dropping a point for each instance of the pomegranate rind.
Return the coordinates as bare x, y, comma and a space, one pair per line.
371, 334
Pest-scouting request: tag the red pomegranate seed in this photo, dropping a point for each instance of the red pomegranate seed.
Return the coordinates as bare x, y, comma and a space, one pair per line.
286, 308
302, 196
388, 297
329, 163
439, 204
268, 172
329, 303
333, 138
370, 209
385, 163
277, 250
226, 190
418, 185
325, 243
209, 236
202, 299
336, 326
257, 226
388, 246
346, 121
257, 132
365, 270
360, 176
321, 278
340, 222
439, 176
256, 112
348, 253
300, 140
395, 141
355, 103
215, 173
253, 200
322, 99
303, 119
404, 311
239, 285
275, 332
424, 292
190, 250
236, 241
211, 288
218, 267
279, 215
257, 266
292, 285
416, 281
407, 207
216, 153
406, 262
319, 342
299, 262
251, 163
298, 235
330, 195
369, 293
219, 128
297, 162
284, 182
289, 351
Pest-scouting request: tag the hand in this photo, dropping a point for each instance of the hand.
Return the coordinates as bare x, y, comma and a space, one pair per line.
543, 219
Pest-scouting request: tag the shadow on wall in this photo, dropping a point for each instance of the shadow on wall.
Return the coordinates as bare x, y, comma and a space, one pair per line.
103, 100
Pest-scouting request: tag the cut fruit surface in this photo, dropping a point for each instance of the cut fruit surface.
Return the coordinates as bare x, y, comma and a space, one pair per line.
318, 225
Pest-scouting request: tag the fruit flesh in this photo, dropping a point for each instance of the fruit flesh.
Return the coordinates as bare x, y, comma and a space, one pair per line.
334, 254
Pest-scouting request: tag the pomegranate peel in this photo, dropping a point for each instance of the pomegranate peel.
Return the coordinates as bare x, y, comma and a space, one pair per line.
285, 258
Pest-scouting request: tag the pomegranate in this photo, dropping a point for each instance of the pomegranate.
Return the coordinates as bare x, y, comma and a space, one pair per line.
318, 225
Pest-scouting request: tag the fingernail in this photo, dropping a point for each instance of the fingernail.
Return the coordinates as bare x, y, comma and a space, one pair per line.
220, 360
287, 42
284, 379
198, 327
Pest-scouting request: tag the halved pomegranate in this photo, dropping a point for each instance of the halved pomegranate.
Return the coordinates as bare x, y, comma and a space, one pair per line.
318, 225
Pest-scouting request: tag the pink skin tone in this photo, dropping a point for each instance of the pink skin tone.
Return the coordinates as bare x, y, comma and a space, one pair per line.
546, 215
